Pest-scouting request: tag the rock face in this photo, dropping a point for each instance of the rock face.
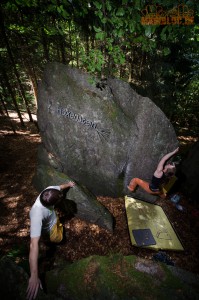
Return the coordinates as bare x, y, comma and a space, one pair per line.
121, 277
113, 277
13, 280
100, 135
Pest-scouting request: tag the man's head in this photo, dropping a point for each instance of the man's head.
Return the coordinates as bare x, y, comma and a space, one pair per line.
50, 197
170, 170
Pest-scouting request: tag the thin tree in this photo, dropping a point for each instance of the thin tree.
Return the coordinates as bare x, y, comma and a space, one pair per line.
10, 91
22, 92
6, 111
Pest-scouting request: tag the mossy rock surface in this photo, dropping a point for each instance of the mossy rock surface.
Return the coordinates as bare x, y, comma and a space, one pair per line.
114, 277
121, 278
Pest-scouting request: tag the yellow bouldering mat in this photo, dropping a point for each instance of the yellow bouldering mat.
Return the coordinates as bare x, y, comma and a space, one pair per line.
147, 216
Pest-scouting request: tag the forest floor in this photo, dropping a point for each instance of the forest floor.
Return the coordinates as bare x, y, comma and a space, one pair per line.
18, 154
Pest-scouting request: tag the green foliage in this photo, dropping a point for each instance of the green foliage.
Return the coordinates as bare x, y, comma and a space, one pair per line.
104, 38
93, 61
19, 254
18, 250
188, 105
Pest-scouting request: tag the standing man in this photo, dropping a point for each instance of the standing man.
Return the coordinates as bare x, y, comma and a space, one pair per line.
45, 222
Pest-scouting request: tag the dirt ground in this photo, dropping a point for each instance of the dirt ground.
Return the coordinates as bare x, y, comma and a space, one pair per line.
17, 195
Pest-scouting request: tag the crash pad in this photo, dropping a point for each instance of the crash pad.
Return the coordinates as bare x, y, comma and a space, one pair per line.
142, 215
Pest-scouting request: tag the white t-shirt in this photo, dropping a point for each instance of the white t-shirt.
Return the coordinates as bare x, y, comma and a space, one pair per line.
42, 218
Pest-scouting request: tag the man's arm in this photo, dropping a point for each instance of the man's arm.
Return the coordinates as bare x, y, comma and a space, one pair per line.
67, 185
160, 166
34, 281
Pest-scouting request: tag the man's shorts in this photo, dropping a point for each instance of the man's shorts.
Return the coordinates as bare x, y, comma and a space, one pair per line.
56, 233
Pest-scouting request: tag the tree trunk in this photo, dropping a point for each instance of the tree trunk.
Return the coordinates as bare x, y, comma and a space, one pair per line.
9, 88
77, 53
14, 67
45, 45
62, 48
70, 43
33, 79
5, 108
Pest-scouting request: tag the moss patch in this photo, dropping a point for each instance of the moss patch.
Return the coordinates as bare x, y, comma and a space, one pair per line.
115, 277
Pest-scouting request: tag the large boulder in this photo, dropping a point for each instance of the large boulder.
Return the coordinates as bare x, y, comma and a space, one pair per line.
121, 277
113, 277
101, 134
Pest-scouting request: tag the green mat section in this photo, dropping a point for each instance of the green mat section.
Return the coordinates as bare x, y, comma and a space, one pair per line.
143, 215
